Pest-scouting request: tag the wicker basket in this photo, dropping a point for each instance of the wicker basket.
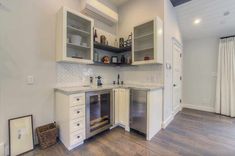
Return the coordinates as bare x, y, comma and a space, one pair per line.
47, 135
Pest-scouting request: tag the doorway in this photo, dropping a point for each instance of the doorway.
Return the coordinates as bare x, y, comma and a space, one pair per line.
176, 76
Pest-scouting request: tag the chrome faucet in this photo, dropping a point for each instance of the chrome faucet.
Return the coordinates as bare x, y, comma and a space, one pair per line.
91, 80
118, 79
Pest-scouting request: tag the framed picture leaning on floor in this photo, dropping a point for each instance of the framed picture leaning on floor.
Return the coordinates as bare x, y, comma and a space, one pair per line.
21, 135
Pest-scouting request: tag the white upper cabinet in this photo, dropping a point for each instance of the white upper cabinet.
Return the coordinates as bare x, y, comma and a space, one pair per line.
74, 37
148, 43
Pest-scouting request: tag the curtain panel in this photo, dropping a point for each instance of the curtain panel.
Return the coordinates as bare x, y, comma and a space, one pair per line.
225, 89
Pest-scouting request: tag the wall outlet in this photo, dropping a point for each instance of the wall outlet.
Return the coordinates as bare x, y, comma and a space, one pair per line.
2, 150
30, 80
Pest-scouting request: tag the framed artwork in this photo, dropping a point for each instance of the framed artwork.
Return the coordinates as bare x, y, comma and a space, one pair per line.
21, 135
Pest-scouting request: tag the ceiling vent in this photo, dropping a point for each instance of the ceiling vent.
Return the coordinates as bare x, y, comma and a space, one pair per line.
99, 11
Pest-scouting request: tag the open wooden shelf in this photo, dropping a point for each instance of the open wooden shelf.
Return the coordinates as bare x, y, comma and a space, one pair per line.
111, 64
111, 49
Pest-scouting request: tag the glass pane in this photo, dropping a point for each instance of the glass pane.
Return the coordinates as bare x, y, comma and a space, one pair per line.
94, 108
99, 111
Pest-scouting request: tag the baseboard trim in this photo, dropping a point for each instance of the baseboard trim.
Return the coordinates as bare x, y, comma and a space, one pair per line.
201, 108
178, 109
167, 121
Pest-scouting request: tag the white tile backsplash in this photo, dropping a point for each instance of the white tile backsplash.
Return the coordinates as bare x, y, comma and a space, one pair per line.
146, 74
76, 75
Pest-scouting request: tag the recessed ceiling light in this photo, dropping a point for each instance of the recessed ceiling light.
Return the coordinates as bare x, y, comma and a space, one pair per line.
197, 21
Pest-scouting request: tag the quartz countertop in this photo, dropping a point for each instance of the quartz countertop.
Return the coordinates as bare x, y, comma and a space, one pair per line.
82, 89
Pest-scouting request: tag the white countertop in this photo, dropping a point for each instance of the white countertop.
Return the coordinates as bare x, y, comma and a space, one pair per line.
82, 89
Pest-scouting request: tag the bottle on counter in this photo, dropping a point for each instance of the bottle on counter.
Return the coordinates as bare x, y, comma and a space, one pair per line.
95, 36
123, 59
116, 43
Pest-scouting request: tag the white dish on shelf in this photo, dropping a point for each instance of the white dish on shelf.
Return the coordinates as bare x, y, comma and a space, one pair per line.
76, 39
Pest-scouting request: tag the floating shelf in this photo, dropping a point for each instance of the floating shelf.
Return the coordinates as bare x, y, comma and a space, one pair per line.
144, 49
72, 29
72, 45
145, 36
111, 49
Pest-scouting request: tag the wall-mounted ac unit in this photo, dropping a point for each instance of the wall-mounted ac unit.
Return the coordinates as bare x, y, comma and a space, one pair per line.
99, 11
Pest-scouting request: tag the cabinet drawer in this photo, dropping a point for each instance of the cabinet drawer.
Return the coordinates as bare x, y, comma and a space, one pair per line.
77, 99
77, 124
77, 112
77, 137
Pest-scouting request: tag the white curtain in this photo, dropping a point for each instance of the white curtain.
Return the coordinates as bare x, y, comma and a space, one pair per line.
225, 90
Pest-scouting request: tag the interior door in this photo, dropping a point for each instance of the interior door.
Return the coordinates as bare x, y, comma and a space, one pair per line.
177, 76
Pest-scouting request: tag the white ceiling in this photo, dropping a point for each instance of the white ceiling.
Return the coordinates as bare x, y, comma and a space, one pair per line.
118, 2
211, 13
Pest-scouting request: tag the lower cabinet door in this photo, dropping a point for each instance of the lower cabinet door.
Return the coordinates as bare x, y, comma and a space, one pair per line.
122, 107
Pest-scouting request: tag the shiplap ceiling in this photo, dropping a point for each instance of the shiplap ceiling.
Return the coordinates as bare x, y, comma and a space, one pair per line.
213, 20
118, 2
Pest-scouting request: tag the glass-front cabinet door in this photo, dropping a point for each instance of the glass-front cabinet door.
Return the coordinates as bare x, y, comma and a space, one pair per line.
98, 112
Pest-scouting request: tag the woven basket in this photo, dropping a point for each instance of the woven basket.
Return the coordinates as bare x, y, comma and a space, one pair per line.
47, 135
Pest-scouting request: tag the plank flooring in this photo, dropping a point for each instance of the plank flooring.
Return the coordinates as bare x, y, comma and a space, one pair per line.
192, 133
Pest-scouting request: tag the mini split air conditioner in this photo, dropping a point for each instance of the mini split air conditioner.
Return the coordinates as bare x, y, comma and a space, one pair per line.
99, 11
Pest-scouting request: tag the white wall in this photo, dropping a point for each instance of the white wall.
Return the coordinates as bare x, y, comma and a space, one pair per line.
200, 68
131, 14
171, 30
27, 47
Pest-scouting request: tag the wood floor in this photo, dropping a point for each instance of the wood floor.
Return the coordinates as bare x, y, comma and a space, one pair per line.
191, 133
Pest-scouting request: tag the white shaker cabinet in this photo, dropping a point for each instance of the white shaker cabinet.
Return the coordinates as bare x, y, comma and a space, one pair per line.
148, 42
154, 112
122, 104
70, 117
74, 37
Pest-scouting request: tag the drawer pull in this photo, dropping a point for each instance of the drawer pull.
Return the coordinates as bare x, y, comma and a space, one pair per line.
78, 99
78, 124
78, 112
78, 137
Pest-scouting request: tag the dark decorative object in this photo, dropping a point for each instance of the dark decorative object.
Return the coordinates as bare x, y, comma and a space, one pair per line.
47, 135
121, 42
95, 35
106, 60
114, 59
102, 39
99, 82
146, 58
128, 42
123, 59
21, 135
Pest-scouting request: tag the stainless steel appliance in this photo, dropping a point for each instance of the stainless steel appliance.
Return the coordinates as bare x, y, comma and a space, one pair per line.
138, 110
99, 112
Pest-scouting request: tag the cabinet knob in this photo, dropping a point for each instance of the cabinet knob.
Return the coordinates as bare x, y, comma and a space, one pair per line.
78, 112
78, 137
78, 99
78, 124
